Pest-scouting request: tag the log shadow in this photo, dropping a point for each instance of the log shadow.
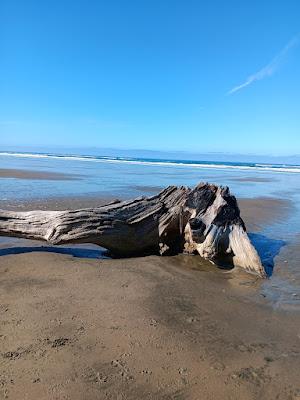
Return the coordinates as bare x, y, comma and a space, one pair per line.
267, 249
72, 251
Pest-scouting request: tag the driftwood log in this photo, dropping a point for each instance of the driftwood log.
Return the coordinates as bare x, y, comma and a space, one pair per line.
204, 220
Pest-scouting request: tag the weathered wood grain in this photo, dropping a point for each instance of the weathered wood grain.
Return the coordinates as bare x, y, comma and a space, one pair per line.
204, 220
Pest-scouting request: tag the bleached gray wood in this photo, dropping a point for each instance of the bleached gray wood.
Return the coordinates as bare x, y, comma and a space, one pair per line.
204, 220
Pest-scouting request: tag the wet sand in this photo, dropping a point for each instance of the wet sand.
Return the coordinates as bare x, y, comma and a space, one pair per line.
32, 175
262, 211
151, 327
56, 203
252, 179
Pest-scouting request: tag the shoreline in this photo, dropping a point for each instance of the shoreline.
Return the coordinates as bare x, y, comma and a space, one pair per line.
222, 165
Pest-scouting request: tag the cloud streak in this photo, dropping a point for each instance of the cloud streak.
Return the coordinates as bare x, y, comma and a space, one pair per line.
268, 69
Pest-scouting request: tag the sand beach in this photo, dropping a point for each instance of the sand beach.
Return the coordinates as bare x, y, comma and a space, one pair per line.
78, 326
149, 200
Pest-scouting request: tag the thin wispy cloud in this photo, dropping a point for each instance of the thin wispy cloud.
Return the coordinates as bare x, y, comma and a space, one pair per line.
270, 68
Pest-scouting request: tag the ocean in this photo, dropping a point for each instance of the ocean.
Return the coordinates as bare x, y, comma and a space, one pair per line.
124, 176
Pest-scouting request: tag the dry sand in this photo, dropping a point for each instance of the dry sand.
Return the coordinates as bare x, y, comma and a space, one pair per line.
143, 328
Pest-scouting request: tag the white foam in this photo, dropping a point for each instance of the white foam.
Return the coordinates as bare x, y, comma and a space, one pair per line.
105, 159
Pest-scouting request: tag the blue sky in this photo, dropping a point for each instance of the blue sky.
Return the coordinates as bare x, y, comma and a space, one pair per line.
187, 75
